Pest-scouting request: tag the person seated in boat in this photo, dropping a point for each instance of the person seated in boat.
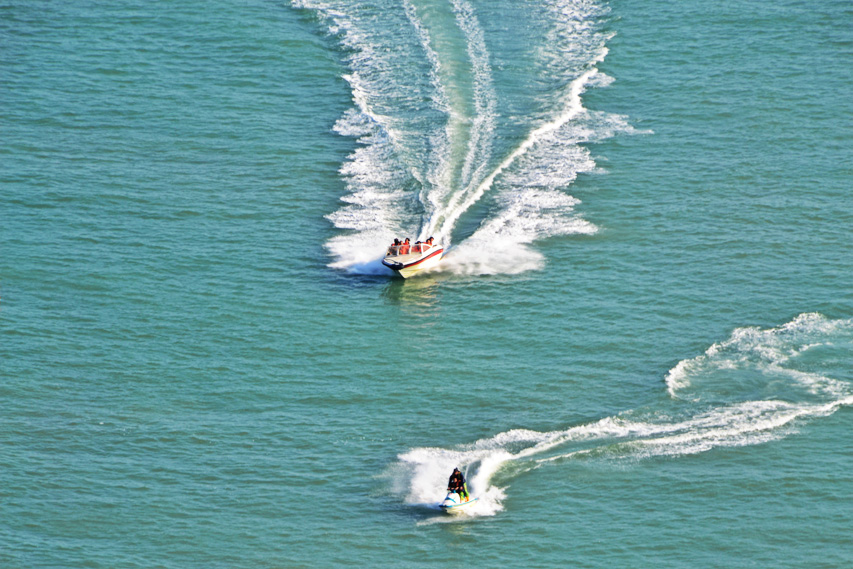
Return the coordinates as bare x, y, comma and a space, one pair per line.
457, 484
392, 250
429, 241
405, 247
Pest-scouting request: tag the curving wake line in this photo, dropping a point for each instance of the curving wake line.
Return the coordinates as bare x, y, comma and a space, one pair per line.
575, 108
721, 412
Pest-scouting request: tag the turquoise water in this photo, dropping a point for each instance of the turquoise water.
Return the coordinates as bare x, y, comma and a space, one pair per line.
638, 347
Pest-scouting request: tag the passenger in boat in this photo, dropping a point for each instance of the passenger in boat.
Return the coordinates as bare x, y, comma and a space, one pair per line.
404, 248
429, 241
392, 250
457, 484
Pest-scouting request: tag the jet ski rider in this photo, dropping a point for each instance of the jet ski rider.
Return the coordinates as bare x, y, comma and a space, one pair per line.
457, 484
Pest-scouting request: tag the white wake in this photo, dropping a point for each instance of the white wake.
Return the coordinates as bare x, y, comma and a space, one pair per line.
427, 155
751, 360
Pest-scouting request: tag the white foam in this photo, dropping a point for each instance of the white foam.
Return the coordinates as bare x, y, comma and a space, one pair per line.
573, 109
767, 351
532, 176
491, 257
532, 204
421, 477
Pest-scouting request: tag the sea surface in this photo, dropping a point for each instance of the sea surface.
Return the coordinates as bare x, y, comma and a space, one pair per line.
639, 347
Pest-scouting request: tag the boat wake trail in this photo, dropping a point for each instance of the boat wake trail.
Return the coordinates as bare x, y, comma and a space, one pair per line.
450, 143
755, 387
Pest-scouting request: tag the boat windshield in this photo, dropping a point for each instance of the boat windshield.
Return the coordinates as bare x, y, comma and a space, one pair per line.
395, 250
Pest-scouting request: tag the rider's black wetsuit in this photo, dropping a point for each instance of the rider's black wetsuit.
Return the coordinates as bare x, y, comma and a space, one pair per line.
457, 484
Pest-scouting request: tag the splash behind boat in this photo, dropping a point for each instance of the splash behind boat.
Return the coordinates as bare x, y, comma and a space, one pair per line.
406, 260
456, 504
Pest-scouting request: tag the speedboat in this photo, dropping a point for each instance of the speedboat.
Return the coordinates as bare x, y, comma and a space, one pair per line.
456, 504
406, 260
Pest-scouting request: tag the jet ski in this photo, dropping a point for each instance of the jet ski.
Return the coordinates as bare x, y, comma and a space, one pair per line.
456, 504
406, 260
